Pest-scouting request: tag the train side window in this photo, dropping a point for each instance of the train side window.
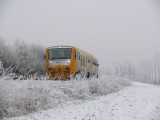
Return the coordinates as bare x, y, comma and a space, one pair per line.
94, 63
79, 56
81, 61
88, 60
75, 54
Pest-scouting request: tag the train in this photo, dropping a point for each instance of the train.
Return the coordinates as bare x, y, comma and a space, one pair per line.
65, 62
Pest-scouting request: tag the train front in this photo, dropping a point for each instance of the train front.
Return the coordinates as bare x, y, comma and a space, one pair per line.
58, 62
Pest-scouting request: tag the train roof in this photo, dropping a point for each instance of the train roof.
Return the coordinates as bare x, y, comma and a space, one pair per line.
60, 46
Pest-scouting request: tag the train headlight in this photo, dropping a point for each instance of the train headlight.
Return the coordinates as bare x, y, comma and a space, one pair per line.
67, 68
68, 62
50, 69
50, 62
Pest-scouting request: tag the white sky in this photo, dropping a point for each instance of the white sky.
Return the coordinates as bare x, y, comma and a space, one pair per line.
109, 29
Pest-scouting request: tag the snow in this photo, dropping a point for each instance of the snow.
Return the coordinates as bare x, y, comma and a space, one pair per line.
136, 102
21, 97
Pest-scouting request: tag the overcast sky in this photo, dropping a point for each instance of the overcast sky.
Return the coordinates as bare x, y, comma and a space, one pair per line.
109, 29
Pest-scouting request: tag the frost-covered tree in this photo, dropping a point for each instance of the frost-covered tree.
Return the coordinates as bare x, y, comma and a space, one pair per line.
147, 70
36, 58
29, 57
21, 55
156, 68
25, 58
6, 55
124, 69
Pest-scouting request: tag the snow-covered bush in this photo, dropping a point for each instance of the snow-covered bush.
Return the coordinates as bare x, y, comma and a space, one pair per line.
1, 68
25, 58
107, 84
6, 55
25, 96
29, 57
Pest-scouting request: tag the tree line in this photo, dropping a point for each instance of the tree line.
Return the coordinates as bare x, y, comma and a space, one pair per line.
30, 58
146, 70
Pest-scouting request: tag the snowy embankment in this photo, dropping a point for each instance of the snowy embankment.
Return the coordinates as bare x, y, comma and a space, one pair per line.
136, 102
21, 97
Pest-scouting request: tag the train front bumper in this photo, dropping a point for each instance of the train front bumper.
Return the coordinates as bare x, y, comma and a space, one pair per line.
58, 72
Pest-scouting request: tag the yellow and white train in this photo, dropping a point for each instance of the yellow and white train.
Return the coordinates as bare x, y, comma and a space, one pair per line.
67, 61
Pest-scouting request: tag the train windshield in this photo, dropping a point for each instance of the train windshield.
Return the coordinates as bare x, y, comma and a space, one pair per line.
59, 53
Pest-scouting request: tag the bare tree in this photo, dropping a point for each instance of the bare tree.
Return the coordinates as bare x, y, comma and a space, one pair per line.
125, 69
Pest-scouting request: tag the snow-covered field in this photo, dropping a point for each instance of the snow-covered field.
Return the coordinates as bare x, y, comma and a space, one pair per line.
136, 102
21, 97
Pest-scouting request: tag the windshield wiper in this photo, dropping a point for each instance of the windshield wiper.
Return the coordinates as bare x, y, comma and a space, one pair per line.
60, 58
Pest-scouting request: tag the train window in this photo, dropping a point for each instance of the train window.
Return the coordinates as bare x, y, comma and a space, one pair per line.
81, 61
79, 56
88, 60
59, 53
75, 54
94, 63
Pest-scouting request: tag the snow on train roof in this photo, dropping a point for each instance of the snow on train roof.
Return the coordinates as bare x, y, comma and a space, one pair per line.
60, 46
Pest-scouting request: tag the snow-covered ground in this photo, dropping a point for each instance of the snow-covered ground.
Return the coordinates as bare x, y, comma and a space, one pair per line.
136, 102
21, 97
